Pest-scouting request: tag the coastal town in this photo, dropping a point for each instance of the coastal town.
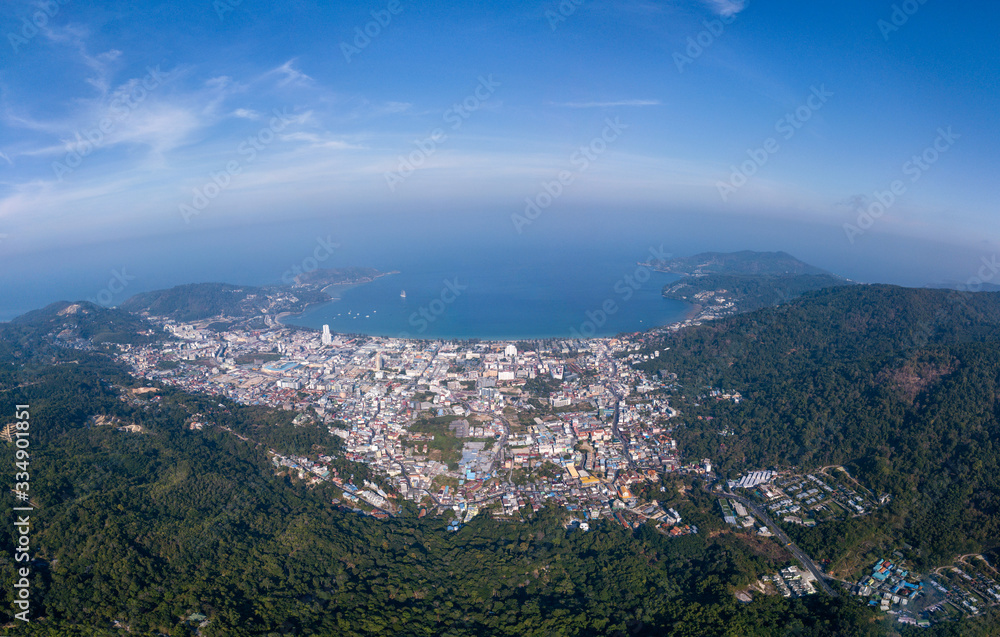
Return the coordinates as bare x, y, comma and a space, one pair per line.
460, 429
451, 427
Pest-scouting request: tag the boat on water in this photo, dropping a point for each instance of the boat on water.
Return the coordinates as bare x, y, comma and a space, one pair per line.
402, 294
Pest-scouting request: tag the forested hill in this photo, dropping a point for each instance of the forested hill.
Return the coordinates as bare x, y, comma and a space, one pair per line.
725, 283
198, 301
748, 292
66, 323
901, 385
745, 262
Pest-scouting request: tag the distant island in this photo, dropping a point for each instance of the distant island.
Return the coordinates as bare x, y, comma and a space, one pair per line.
724, 283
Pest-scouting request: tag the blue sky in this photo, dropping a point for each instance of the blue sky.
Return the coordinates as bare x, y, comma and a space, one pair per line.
188, 90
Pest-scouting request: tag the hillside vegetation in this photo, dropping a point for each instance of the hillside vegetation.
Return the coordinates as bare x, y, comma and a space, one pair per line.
901, 385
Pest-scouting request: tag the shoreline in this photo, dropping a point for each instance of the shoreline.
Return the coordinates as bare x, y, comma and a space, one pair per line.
673, 325
343, 287
337, 290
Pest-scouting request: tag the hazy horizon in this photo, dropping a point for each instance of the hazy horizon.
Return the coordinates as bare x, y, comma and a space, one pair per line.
200, 141
264, 254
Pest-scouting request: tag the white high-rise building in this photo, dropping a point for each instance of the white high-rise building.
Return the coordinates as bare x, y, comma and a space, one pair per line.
327, 336
510, 351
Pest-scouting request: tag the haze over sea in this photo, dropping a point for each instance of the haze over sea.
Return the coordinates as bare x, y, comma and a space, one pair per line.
539, 283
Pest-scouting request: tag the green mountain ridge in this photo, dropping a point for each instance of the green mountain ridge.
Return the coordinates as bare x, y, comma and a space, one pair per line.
748, 292
81, 320
199, 301
900, 385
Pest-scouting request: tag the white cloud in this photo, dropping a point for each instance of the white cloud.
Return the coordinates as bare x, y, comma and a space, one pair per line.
246, 113
726, 7
161, 127
101, 64
150, 111
289, 74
